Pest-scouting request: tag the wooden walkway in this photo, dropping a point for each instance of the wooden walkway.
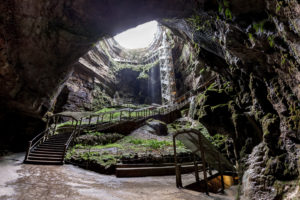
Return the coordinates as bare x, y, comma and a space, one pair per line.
50, 146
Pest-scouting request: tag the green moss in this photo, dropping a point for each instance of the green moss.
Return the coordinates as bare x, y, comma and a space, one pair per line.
153, 143
228, 14
251, 38
114, 145
271, 41
278, 6
259, 27
267, 121
218, 106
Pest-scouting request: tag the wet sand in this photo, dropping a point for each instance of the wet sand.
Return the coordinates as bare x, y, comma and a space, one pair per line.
42, 182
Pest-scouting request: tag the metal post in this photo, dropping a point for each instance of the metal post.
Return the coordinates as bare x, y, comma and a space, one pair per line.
120, 115
28, 150
98, 119
177, 166
203, 164
196, 169
80, 126
221, 173
90, 119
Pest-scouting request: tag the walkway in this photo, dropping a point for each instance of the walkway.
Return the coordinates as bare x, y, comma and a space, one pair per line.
66, 182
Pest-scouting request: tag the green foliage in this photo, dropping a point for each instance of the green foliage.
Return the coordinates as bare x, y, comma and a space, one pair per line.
271, 41
218, 106
226, 3
251, 38
153, 143
103, 110
278, 6
259, 27
96, 133
212, 86
228, 14
224, 9
114, 145
283, 59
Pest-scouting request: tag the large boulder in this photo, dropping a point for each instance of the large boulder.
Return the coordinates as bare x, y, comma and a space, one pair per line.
157, 127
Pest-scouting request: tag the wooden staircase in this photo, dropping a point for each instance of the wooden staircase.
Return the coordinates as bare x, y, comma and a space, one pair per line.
51, 151
50, 146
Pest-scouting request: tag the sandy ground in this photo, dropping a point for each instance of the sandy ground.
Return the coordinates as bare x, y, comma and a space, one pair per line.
40, 182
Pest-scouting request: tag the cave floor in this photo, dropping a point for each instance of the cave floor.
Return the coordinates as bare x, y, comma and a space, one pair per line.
24, 182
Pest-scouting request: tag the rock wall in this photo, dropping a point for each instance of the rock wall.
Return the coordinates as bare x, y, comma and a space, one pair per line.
41, 40
253, 47
91, 86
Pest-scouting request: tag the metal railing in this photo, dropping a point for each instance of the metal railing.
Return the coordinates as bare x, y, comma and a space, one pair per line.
123, 115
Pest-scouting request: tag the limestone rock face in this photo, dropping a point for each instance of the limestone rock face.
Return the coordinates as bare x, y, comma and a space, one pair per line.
256, 98
41, 40
157, 127
91, 86
253, 46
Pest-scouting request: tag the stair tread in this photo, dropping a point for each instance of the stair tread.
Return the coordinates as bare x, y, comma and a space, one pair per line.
48, 152
43, 162
46, 149
51, 145
45, 154
43, 157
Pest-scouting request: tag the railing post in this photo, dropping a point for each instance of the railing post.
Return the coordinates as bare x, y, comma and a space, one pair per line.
90, 119
120, 115
28, 150
221, 173
98, 119
177, 166
102, 117
203, 164
80, 123
196, 169
63, 156
55, 121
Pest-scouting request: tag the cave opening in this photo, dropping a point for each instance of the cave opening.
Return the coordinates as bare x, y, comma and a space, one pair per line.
76, 90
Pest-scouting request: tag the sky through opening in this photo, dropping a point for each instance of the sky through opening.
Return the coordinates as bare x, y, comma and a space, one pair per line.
138, 37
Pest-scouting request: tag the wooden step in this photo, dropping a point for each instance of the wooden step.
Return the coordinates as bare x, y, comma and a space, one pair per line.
45, 154
30, 157
153, 171
149, 165
57, 142
52, 145
43, 162
57, 139
49, 150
